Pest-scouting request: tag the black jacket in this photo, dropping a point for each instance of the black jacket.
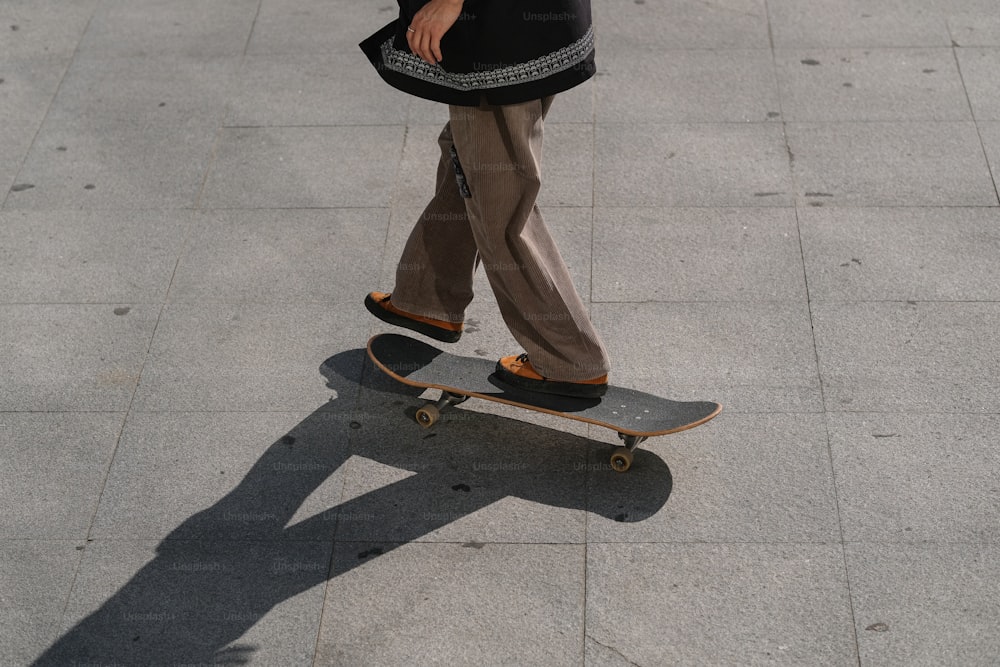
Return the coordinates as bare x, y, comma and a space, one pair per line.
498, 52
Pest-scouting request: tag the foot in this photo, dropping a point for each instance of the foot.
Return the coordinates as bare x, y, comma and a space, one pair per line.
378, 304
517, 371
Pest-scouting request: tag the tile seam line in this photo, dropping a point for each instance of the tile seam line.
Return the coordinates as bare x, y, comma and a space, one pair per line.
311, 302
210, 163
220, 130
194, 301
250, 33
354, 415
909, 412
624, 49
590, 310
792, 121
792, 301
982, 144
648, 123
48, 110
321, 126
346, 467
803, 263
778, 543
752, 206
128, 411
210, 209
375, 541
463, 543
3, 205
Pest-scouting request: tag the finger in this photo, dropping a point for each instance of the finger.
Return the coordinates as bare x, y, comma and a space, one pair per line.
425, 46
436, 49
413, 34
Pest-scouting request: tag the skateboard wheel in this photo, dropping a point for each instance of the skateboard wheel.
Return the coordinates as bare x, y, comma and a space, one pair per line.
621, 459
428, 415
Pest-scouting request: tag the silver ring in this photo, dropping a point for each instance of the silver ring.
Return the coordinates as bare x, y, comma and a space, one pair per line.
410, 30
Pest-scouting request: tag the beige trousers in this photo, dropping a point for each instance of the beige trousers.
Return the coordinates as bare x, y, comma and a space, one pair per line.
484, 211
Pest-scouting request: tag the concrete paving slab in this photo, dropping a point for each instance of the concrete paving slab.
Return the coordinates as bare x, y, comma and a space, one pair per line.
189, 602
453, 603
422, 112
658, 604
54, 466
856, 23
870, 85
273, 256
575, 105
72, 357
990, 134
572, 229
414, 180
975, 27
691, 165
697, 254
568, 165
750, 357
625, 25
900, 254
908, 357
43, 27
15, 141
36, 576
314, 89
203, 30
925, 604
887, 186
89, 257
100, 94
979, 67
889, 164
225, 476
248, 357
740, 478
27, 86
509, 497
316, 26
728, 86
303, 167
917, 478
126, 168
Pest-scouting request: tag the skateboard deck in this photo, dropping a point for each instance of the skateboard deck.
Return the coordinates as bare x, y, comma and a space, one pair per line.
634, 415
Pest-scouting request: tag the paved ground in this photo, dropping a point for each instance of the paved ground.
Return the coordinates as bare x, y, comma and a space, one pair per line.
787, 206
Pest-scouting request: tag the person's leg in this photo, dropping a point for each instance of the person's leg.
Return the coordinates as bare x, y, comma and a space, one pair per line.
434, 274
500, 150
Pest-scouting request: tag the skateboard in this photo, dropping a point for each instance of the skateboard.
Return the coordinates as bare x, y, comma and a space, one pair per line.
634, 415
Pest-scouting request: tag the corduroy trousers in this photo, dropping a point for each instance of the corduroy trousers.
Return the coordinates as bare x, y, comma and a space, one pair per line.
484, 212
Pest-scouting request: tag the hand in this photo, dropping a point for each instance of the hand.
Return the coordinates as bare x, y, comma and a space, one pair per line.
429, 25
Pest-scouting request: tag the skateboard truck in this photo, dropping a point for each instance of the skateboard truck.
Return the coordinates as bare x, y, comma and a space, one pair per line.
428, 415
621, 458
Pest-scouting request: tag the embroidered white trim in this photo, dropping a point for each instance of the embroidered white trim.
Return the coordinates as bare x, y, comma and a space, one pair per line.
407, 63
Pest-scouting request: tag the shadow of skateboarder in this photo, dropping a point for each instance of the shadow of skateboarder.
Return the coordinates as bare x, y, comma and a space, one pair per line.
221, 570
